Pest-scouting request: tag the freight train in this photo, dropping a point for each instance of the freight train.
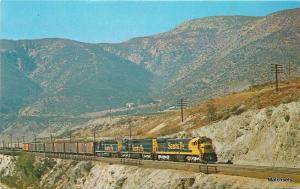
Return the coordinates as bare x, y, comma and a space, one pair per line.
163, 149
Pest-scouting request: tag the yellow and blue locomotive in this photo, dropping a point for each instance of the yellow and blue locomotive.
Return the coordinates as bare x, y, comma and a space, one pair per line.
165, 149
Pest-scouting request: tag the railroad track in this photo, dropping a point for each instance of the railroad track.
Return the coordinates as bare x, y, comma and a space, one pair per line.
261, 172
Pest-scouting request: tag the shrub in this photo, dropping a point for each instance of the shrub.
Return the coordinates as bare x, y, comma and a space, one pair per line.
211, 112
27, 173
287, 117
88, 166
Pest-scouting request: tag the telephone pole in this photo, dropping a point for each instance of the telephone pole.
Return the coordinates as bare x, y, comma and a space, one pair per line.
128, 111
35, 148
130, 130
109, 99
277, 69
94, 133
50, 128
11, 141
18, 142
291, 70
70, 135
182, 103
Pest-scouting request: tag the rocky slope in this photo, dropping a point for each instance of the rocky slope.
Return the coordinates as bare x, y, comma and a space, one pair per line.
270, 136
6, 168
6, 165
93, 175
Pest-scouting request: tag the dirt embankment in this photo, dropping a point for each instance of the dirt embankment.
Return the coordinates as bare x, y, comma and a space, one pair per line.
270, 136
95, 175
6, 168
69, 174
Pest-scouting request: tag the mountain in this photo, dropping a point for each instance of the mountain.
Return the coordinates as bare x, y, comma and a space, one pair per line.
57, 76
199, 59
204, 57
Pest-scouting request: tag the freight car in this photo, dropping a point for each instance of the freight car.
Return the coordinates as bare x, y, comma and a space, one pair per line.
36, 147
71, 147
59, 147
86, 148
10, 146
49, 147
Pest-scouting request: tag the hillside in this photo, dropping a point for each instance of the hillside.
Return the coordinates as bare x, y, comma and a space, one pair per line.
202, 58
195, 117
58, 80
257, 126
66, 77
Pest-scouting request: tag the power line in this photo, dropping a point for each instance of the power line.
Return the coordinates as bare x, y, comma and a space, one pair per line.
11, 140
182, 103
94, 132
291, 70
70, 135
18, 142
277, 69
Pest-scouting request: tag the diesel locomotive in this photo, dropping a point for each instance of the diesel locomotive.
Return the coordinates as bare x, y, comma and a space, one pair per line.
168, 149
163, 149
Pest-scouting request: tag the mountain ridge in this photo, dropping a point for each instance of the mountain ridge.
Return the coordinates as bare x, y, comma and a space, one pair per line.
198, 59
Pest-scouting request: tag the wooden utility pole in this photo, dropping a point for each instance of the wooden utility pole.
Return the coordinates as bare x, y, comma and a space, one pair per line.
129, 130
11, 141
277, 69
182, 103
35, 148
289, 70
110, 115
70, 135
130, 133
95, 133
18, 142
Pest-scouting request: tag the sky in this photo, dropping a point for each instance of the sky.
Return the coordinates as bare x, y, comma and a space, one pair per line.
104, 21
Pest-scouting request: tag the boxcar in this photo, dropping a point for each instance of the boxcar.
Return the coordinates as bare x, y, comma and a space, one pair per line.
25, 147
36, 147
8, 145
85, 148
3, 145
138, 148
108, 148
90, 148
59, 147
49, 147
71, 148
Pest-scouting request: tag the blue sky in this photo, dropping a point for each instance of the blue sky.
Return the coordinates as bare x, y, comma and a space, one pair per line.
94, 21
